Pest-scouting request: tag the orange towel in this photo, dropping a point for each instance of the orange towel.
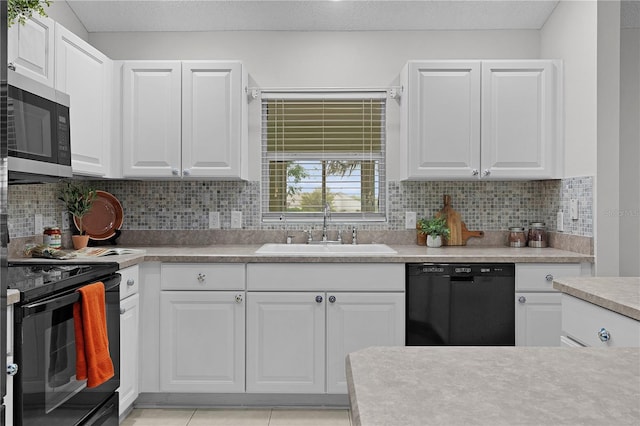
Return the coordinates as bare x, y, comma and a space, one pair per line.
93, 361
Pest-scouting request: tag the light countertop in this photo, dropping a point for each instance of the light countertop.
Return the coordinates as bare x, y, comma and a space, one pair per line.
618, 294
405, 254
407, 386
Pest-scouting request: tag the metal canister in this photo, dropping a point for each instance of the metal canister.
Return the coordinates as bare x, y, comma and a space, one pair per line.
52, 237
517, 238
537, 234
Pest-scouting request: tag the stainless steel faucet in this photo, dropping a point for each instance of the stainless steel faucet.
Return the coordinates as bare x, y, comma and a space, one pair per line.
326, 213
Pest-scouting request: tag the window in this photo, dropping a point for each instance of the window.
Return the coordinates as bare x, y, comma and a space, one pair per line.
323, 148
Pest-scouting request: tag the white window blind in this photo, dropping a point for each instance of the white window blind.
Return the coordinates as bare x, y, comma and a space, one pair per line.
322, 148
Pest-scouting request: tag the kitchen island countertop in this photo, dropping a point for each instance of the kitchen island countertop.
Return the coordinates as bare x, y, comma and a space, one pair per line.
618, 294
411, 386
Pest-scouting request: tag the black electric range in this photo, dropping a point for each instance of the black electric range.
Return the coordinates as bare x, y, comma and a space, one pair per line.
35, 281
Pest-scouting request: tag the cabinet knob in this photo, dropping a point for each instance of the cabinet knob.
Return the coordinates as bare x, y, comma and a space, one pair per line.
319, 299
186, 172
11, 66
131, 282
175, 172
238, 298
122, 311
12, 369
201, 277
474, 172
522, 299
604, 335
332, 299
486, 172
549, 277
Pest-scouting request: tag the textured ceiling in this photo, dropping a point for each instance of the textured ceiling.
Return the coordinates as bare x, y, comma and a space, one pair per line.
310, 15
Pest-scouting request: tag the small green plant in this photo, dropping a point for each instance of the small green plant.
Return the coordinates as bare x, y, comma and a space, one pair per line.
434, 226
21, 10
78, 198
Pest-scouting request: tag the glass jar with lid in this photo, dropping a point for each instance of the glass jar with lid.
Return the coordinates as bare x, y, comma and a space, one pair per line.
52, 237
537, 234
517, 238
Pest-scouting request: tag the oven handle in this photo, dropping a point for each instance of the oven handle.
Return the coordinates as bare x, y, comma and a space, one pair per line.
65, 300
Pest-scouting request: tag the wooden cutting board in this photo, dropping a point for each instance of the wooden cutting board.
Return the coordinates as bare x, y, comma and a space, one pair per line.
466, 234
454, 223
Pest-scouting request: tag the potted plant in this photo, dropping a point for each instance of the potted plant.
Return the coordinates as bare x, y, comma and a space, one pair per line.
21, 10
435, 228
422, 237
78, 198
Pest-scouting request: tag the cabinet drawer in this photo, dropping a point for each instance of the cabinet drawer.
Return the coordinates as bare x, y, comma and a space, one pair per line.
539, 276
202, 276
130, 282
325, 277
582, 320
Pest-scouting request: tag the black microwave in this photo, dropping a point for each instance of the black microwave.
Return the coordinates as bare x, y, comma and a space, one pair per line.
38, 132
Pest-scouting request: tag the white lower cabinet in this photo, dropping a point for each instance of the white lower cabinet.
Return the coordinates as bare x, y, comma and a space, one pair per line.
202, 341
129, 337
538, 305
297, 341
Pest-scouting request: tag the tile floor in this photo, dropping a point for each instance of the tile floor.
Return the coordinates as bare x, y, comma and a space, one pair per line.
236, 417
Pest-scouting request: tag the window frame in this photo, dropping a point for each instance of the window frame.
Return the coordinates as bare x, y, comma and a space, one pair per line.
266, 157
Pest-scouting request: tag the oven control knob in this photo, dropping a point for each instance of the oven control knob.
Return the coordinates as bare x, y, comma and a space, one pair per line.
12, 369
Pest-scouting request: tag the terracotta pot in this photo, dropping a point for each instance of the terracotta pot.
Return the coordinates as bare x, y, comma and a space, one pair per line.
80, 241
422, 239
434, 241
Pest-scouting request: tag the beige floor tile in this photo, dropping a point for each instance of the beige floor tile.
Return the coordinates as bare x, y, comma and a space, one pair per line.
158, 417
230, 417
309, 418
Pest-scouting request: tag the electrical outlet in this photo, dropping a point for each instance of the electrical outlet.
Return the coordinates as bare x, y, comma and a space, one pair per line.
410, 220
236, 219
38, 225
214, 220
65, 221
573, 209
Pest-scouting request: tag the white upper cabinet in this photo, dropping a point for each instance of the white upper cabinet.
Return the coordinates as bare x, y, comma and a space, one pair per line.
519, 119
441, 119
85, 74
151, 96
30, 48
480, 119
213, 108
184, 119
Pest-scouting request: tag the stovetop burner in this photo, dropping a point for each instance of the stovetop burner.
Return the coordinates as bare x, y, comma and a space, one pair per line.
35, 281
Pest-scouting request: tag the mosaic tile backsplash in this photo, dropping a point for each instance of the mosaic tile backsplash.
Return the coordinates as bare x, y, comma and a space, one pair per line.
185, 205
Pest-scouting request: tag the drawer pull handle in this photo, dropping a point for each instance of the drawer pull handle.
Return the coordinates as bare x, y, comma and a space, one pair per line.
318, 299
604, 335
130, 282
238, 298
12, 369
522, 299
549, 277
332, 299
201, 277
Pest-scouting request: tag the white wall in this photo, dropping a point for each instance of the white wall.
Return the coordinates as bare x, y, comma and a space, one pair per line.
607, 187
570, 34
629, 211
60, 12
321, 59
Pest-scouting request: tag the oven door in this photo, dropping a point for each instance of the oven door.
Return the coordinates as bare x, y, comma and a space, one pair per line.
46, 389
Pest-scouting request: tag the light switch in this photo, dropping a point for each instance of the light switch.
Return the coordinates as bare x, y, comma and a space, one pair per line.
38, 226
410, 220
573, 209
214, 220
236, 219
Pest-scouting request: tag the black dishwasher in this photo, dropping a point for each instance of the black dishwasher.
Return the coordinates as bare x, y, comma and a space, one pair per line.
457, 304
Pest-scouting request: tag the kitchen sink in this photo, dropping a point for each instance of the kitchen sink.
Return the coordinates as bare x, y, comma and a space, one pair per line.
273, 249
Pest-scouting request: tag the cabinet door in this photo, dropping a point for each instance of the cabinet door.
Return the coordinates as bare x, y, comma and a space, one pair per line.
202, 341
151, 119
212, 102
129, 350
441, 109
356, 321
285, 342
84, 73
519, 119
538, 319
30, 48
